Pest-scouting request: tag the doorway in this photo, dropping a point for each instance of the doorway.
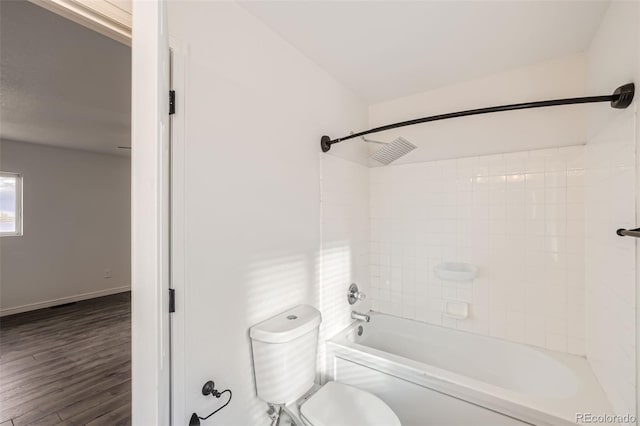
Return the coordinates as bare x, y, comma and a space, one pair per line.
65, 201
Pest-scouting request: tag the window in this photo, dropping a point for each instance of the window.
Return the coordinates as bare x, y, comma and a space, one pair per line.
10, 204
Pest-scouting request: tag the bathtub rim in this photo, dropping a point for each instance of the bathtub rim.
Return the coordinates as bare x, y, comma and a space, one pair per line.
504, 401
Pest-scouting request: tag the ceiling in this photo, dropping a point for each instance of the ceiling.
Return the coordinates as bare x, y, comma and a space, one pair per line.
61, 83
387, 49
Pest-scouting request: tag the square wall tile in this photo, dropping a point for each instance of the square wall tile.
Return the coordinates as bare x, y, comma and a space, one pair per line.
518, 216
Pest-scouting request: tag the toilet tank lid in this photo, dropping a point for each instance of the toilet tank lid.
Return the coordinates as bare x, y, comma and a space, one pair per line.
287, 325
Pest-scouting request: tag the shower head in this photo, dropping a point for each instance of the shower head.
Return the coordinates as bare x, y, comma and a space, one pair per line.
392, 151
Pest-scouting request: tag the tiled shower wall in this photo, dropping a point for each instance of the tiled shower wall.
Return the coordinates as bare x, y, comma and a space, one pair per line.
611, 261
518, 217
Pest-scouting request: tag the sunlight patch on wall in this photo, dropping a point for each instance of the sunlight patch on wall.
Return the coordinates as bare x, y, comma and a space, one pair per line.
343, 258
274, 283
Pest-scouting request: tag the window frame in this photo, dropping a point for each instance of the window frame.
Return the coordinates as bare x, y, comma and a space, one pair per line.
19, 201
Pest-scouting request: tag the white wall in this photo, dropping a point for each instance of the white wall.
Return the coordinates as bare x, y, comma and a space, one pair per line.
518, 217
255, 109
512, 131
610, 197
76, 225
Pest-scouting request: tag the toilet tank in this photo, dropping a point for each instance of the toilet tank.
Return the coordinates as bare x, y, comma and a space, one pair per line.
284, 354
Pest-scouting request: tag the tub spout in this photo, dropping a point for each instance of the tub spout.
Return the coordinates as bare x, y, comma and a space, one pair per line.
358, 316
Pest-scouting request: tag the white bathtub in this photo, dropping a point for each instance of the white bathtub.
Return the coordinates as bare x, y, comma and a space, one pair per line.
433, 375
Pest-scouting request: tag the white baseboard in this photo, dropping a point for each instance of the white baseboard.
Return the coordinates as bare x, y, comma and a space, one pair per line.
63, 300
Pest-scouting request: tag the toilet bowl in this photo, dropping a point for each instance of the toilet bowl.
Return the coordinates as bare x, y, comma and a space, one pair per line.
337, 404
284, 353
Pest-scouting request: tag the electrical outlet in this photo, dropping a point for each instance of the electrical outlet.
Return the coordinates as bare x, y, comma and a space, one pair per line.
107, 273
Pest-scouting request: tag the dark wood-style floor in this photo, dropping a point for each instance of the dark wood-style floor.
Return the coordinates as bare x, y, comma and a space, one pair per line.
68, 365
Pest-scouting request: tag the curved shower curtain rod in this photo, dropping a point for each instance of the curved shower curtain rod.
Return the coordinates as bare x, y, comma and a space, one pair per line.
620, 99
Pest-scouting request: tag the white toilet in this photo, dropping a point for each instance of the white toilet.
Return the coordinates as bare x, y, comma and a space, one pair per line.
284, 359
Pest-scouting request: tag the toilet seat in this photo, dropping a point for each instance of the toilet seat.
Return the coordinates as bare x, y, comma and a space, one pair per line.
337, 404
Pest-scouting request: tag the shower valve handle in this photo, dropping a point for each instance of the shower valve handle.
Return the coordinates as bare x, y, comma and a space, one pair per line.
354, 295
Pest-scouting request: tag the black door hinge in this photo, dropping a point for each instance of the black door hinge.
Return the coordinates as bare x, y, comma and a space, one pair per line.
172, 102
172, 300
